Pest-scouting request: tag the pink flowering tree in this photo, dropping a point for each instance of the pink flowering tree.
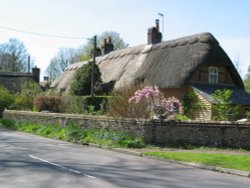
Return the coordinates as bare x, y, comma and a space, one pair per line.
159, 106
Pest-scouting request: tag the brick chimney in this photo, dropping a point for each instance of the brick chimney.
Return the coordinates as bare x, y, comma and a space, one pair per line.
36, 74
108, 46
154, 34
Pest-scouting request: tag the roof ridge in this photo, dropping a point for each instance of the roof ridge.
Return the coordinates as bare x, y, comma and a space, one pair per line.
205, 37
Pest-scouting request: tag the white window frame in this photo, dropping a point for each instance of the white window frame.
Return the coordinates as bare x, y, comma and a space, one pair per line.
213, 75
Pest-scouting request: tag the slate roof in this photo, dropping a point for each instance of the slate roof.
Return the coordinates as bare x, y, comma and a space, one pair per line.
239, 96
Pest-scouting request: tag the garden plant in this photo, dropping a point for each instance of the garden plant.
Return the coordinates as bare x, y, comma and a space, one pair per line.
159, 106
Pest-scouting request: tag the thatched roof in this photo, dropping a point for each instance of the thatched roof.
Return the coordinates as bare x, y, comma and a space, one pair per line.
123, 66
63, 82
239, 96
168, 64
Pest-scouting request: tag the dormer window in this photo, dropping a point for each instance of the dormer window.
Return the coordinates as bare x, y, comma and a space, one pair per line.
213, 74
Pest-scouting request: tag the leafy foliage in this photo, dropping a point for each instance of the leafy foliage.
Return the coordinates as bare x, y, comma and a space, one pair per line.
74, 133
86, 104
116, 40
6, 98
224, 110
49, 103
119, 106
191, 104
247, 115
67, 56
81, 84
247, 81
181, 117
157, 104
25, 98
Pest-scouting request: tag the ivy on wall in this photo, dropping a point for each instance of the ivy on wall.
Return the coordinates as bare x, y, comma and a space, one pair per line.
191, 104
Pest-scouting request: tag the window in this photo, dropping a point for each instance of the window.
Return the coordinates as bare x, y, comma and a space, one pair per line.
213, 75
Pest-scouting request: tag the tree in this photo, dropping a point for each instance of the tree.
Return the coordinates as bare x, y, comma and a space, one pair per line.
81, 84
25, 98
224, 109
116, 40
62, 60
6, 99
67, 56
13, 56
247, 81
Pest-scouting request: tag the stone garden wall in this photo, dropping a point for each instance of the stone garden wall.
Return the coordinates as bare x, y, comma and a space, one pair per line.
226, 134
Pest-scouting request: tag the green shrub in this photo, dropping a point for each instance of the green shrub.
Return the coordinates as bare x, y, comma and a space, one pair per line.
247, 114
74, 104
6, 99
25, 98
98, 102
8, 123
118, 105
224, 109
74, 133
86, 104
81, 84
49, 103
191, 104
181, 117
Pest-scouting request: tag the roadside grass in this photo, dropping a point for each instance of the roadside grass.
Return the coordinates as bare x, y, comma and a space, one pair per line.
74, 133
238, 162
190, 147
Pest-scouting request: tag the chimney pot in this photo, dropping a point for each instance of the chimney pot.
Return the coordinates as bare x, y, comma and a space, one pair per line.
36, 74
108, 46
110, 40
157, 24
154, 35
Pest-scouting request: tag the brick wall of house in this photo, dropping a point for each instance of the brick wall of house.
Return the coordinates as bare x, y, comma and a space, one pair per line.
205, 113
216, 134
201, 75
177, 92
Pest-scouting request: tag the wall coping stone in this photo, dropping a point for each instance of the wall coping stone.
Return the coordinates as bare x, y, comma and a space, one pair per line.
145, 122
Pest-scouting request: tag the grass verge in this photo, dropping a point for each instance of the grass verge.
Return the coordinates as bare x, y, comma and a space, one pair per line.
74, 133
238, 162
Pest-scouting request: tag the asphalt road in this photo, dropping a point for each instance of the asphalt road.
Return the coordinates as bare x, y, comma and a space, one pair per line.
31, 161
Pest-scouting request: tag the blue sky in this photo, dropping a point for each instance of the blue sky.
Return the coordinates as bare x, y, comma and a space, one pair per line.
227, 20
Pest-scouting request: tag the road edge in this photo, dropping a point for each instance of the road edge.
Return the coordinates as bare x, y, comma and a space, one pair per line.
195, 165
140, 154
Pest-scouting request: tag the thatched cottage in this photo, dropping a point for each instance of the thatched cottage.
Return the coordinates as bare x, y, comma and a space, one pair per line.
177, 66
